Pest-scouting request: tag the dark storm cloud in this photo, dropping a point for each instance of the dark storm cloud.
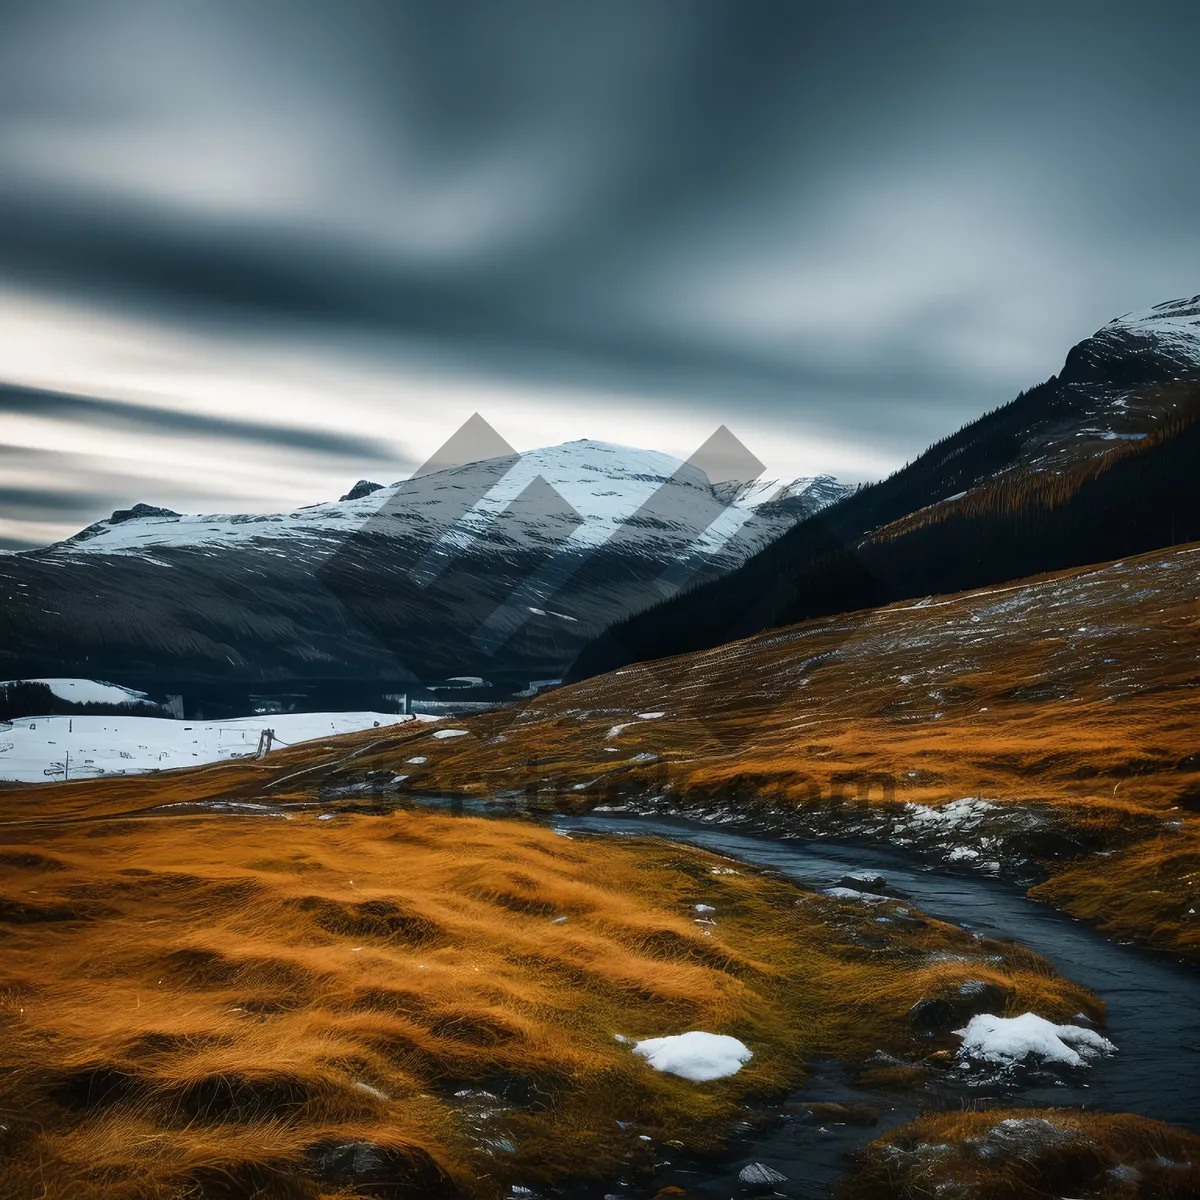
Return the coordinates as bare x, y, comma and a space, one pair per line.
20, 543
76, 489
73, 490
91, 411
38, 502
872, 220
224, 279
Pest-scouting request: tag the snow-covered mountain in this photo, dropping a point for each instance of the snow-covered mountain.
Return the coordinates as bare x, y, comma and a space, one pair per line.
1163, 341
604, 483
509, 564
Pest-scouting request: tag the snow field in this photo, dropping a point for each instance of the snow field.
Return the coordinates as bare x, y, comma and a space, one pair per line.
45, 749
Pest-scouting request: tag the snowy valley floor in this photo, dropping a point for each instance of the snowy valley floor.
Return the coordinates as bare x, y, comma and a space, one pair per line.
37, 749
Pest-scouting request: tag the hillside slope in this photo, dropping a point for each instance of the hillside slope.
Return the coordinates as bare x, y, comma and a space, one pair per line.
1022, 730
1095, 463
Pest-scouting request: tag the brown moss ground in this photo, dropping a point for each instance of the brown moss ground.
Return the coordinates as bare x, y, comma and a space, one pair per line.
1028, 1155
211, 1006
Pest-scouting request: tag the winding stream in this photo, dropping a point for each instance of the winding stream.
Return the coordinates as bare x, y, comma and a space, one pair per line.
1153, 1003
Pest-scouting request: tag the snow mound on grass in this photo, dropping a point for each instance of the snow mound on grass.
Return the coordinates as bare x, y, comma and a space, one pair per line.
1008, 1040
450, 733
696, 1056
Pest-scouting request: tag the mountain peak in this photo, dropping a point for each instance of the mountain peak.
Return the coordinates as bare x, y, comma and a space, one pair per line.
139, 510
1171, 316
364, 487
1146, 346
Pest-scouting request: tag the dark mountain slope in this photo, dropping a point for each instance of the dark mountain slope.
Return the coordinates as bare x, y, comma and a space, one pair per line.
1097, 462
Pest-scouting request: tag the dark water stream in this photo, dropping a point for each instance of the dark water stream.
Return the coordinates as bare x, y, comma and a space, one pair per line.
1153, 1007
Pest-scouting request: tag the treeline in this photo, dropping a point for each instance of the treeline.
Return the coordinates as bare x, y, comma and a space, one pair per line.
26, 699
1144, 496
1022, 491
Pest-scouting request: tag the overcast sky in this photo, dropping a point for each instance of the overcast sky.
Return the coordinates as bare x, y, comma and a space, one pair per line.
252, 250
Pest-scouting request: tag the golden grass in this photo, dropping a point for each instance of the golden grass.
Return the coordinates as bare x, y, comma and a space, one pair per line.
230, 1006
1028, 1155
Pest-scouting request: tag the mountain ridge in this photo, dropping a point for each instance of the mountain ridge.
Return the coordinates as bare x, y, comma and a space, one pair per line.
805, 493
399, 583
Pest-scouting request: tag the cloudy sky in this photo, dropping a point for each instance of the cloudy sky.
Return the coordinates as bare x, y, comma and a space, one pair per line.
252, 250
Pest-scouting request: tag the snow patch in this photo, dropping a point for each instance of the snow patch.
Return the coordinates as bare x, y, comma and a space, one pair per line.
696, 1055
450, 733
1174, 324
1008, 1040
966, 813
